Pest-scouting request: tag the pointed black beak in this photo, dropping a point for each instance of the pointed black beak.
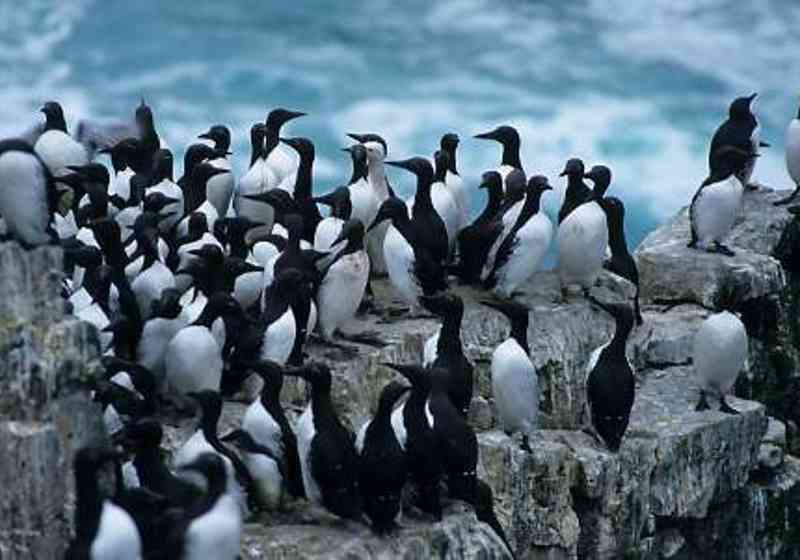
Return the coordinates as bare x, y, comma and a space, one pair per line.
491, 135
348, 149
341, 237
250, 267
357, 137
763, 144
206, 135
402, 164
259, 197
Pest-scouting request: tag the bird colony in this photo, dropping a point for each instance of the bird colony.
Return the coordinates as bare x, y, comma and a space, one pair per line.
205, 289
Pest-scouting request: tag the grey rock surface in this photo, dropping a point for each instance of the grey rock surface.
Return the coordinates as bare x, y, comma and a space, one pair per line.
45, 410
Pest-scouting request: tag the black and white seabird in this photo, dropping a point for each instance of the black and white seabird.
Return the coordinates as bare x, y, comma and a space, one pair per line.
257, 180
792, 157
508, 137
454, 438
476, 239
740, 130
382, 464
302, 188
150, 141
621, 262
281, 163
582, 237
413, 270
376, 150
193, 358
610, 384
449, 145
55, 146
212, 527
719, 354
195, 197
520, 248
263, 465
331, 226
424, 214
515, 382
344, 281
220, 187
103, 530
413, 427
266, 422
445, 350
166, 320
716, 203
162, 182
362, 197
327, 449
28, 197
443, 199
577, 191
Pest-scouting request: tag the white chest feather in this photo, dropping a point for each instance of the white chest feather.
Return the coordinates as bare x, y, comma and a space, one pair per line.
58, 150
720, 351
582, 240
714, 209
305, 434
193, 360
515, 387
279, 338
215, 534
793, 150
117, 537
399, 258
23, 197
342, 290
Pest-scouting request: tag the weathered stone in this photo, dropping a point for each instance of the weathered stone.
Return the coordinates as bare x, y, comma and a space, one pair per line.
45, 409
459, 535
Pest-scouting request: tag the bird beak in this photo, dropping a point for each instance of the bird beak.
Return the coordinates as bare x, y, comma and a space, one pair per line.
205, 135
230, 436
491, 135
171, 200
401, 164
106, 150
547, 187
260, 197
165, 215
250, 267
294, 114
348, 149
403, 369
763, 144
492, 304
357, 137
429, 303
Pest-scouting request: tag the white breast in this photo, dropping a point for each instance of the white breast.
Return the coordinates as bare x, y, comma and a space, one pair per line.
259, 178
23, 197
149, 284
327, 232
117, 537
582, 240
720, 352
430, 351
532, 242
399, 258
341, 291
365, 204
267, 478
793, 150
121, 184
219, 189
715, 208
193, 360
515, 387
282, 161
263, 428
279, 338
211, 218
215, 534
305, 434
461, 195
170, 189
156, 336
399, 425
58, 150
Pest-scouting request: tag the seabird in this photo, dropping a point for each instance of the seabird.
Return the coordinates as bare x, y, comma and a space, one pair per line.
302, 189
28, 197
519, 250
55, 147
515, 382
719, 353
621, 262
448, 145
577, 191
220, 187
716, 203
382, 464
792, 157
610, 384
508, 137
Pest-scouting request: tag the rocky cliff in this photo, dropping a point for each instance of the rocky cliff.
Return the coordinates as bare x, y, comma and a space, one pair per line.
684, 484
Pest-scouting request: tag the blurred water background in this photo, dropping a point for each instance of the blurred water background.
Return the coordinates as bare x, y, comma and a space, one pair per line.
639, 86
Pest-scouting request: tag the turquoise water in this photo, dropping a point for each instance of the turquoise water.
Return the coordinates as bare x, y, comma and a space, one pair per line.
639, 86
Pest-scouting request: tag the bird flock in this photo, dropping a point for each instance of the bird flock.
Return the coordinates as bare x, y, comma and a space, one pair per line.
205, 289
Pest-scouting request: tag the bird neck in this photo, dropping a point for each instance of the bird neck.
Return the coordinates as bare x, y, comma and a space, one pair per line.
55, 122
423, 194
256, 150
353, 245
451, 160
575, 186
271, 400
150, 141
150, 469
511, 155
493, 205
271, 139
195, 196
616, 239
88, 506
303, 186
519, 332
321, 404
343, 209
237, 247
620, 339
450, 335
531, 206
360, 171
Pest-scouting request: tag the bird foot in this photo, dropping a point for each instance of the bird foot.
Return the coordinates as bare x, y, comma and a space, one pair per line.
369, 338
722, 250
703, 403
726, 408
788, 199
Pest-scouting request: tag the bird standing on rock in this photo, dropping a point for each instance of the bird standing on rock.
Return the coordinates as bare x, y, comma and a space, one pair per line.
610, 384
515, 383
740, 130
508, 137
719, 354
